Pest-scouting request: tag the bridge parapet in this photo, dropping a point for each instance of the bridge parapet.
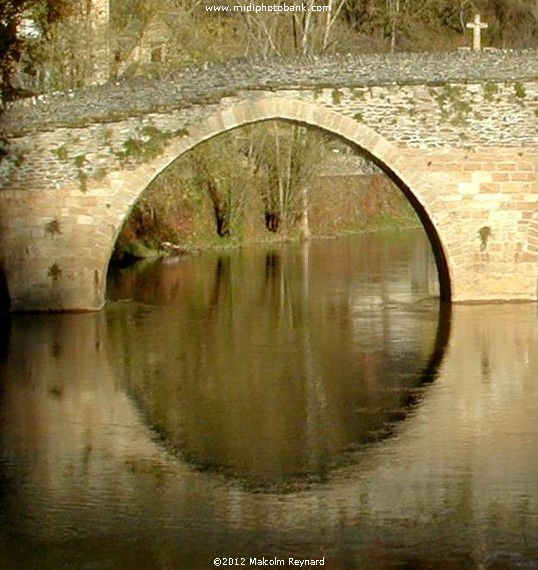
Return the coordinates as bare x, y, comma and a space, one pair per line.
142, 96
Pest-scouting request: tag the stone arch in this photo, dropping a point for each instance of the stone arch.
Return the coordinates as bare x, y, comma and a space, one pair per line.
431, 210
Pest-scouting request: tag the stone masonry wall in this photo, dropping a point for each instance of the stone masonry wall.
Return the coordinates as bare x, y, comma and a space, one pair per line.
465, 151
416, 116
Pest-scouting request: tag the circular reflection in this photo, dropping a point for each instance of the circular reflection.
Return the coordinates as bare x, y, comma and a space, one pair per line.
276, 365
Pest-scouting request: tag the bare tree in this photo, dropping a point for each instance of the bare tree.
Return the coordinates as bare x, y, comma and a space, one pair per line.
286, 157
302, 32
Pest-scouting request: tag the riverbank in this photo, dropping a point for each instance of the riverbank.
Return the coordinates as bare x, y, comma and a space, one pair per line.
176, 223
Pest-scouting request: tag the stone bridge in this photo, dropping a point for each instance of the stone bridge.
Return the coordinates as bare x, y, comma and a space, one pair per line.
457, 132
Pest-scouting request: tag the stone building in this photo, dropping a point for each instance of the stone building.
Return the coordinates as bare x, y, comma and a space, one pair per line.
143, 45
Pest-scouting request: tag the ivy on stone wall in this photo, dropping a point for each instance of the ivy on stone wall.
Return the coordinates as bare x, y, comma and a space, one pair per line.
149, 143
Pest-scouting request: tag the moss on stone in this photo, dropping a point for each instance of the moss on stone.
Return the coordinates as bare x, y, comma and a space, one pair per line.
490, 90
149, 144
53, 228
484, 234
79, 160
82, 178
54, 272
61, 152
336, 96
519, 90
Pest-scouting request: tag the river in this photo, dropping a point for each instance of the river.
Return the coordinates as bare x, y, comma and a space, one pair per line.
309, 401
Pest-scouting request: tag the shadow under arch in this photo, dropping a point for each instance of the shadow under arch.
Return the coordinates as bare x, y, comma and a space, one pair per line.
371, 144
5, 300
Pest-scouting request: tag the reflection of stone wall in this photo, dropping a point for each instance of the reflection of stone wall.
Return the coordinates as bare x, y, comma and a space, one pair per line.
468, 457
65, 424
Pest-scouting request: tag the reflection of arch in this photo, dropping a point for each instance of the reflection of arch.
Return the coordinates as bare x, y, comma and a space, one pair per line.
384, 154
228, 350
428, 375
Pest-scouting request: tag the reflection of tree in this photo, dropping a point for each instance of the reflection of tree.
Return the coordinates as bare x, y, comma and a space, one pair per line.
221, 284
274, 282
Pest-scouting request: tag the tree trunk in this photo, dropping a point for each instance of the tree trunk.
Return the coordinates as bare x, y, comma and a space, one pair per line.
394, 13
222, 218
272, 221
305, 228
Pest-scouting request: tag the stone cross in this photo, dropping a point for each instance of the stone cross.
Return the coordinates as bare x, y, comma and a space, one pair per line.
477, 27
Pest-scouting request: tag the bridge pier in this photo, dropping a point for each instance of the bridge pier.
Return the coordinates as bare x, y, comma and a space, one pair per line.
51, 262
73, 288
66, 283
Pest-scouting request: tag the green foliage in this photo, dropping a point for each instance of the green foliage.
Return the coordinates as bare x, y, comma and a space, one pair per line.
82, 178
490, 90
16, 47
255, 178
54, 272
484, 234
449, 93
453, 108
336, 96
53, 227
237, 180
61, 152
149, 144
79, 161
519, 90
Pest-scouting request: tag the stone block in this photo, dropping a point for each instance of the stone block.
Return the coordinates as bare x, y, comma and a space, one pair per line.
83, 220
468, 188
481, 177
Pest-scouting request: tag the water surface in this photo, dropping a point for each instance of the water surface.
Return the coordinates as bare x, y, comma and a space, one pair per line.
308, 401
